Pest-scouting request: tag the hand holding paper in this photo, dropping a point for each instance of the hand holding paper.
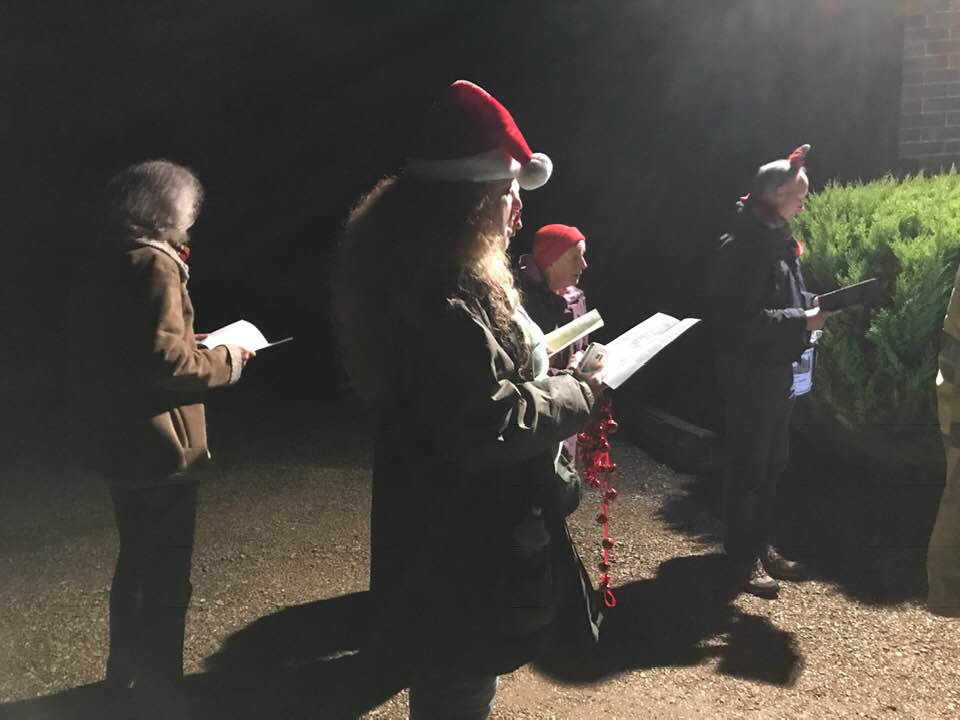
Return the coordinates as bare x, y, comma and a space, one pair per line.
614, 363
816, 318
593, 357
622, 357
590, 368
241, 333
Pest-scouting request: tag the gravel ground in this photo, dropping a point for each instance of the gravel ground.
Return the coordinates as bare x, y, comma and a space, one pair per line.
284, 528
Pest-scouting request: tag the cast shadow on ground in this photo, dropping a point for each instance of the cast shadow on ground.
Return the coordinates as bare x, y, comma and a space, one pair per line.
863, 531
306, 661
300, 662
682, 616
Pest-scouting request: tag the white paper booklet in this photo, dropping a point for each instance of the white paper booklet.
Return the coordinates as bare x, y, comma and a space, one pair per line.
242, 333
568, 334
635, 348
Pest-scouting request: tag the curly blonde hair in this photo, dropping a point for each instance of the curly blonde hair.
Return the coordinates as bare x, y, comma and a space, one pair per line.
407, 245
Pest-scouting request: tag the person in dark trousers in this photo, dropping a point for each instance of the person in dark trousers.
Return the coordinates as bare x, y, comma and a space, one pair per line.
471, 566
139, 380
548, 284
761, 318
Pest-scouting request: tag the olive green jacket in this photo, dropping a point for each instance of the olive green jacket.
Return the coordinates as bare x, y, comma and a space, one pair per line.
470, 551
948, 377
943, 554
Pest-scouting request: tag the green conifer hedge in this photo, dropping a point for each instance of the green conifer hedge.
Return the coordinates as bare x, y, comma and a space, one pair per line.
876, 367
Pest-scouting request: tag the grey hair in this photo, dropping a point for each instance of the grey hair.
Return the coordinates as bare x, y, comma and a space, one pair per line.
142, 201
773, 175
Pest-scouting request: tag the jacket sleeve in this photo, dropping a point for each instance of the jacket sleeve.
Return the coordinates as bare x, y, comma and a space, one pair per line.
490, 422
736, 298
174, 362
948, 375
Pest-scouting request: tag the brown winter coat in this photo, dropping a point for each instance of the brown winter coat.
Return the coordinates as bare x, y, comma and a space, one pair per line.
140, 374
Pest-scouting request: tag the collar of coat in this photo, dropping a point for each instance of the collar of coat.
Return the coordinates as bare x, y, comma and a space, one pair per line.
168, 250
761, 211
529, 267
535, 277
776, 239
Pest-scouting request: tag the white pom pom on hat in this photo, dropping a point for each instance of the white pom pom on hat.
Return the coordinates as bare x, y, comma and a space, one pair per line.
469, 136
536, 172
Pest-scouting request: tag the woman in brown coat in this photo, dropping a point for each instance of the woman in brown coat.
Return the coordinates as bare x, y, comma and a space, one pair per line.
471, 561
141, 378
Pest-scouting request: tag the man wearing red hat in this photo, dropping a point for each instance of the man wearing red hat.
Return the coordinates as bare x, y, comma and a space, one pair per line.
548, 281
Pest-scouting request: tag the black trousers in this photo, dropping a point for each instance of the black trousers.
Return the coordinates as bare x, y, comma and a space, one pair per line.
758, 404
151, 586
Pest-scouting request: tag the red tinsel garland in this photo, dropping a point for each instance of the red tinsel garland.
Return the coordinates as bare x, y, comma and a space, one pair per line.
593, 449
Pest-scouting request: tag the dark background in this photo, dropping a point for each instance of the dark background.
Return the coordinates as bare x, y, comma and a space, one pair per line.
655, 114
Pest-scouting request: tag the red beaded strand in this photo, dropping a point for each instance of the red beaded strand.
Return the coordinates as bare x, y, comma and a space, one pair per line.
593, 449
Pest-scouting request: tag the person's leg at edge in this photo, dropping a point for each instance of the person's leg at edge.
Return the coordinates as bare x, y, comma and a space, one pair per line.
776, 564
745, 438
166, 596
943, 555
125, 590
451, 695
748, 429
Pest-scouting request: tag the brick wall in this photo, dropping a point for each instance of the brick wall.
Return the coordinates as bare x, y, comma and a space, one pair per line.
930, 99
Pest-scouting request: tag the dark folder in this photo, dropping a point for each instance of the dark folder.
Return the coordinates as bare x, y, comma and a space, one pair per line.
860, 293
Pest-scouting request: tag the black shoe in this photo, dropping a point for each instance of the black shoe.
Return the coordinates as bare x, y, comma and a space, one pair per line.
759, 583
781, 568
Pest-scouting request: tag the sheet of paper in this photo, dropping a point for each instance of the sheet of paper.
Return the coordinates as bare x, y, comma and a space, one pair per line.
636, 347
242, 333
568, 334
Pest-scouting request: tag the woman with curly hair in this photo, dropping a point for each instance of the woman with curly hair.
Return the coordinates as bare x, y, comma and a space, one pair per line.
139, 382
471, 563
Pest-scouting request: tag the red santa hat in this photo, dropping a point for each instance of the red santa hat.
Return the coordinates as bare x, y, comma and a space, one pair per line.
552, 241
798, 158
468, 136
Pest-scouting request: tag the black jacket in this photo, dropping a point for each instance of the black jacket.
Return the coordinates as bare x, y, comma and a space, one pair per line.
755, 293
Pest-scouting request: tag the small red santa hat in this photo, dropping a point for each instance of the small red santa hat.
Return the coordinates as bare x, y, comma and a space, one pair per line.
552, 241
798, 158
468, 136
